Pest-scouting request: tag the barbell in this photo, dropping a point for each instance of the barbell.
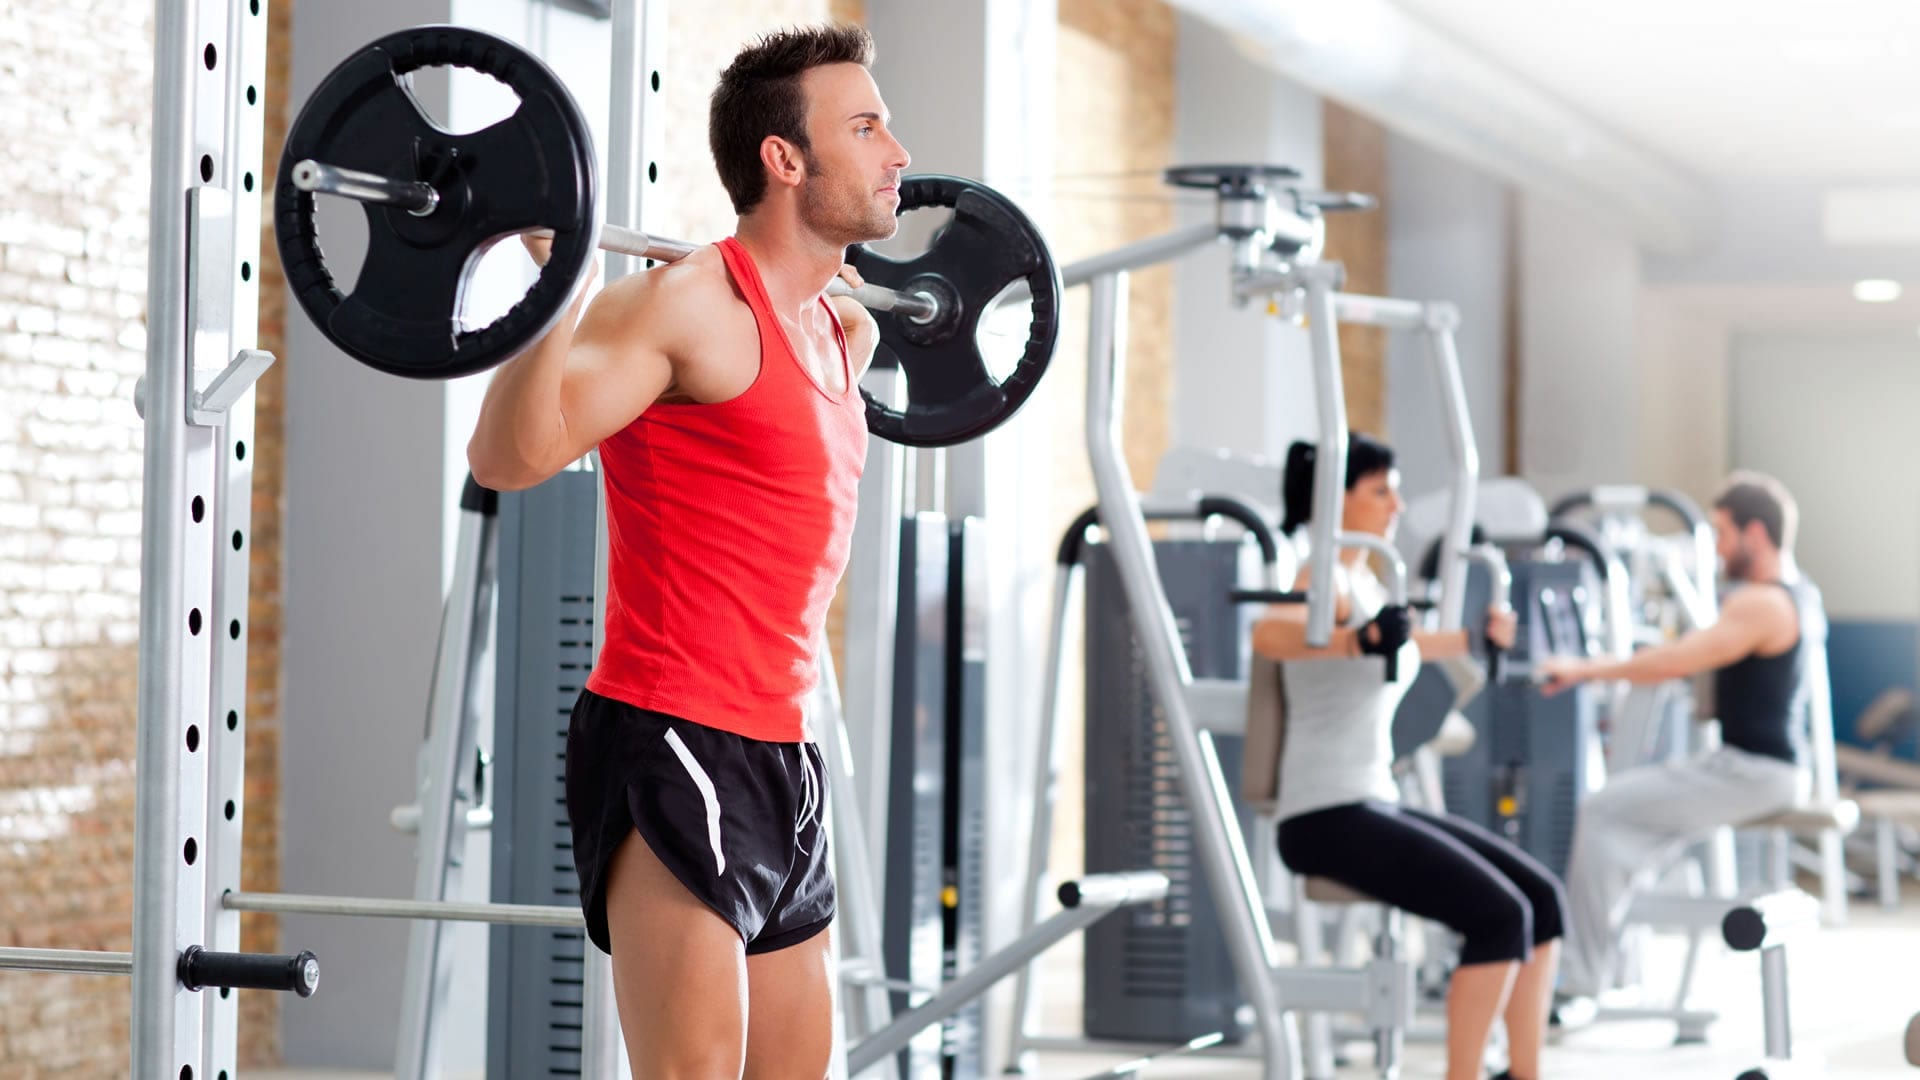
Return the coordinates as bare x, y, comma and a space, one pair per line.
436, 200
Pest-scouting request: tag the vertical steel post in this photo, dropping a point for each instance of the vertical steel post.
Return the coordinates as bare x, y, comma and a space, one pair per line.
1216, 834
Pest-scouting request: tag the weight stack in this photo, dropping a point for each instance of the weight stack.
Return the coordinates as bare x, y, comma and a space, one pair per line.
1524, 775
935, 888
914, 870
1157, 972
964, 805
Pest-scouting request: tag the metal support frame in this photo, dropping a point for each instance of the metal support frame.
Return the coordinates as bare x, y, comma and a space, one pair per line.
868, 1006
1222, 850
1099, 896
203, 299
446, 791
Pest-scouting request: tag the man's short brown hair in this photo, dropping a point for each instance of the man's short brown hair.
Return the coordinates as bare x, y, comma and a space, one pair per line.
759, 95
1750, 496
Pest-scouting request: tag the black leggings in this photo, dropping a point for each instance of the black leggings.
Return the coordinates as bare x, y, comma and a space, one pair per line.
1444, 868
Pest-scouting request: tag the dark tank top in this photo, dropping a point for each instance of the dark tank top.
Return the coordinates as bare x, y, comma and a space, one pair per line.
1763, 701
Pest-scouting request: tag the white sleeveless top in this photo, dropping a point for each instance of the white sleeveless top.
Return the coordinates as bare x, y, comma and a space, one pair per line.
1339, 743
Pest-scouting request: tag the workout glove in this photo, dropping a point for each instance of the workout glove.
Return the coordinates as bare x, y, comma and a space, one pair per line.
1386, 632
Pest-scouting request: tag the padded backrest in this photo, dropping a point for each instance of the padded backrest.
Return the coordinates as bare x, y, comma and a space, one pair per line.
1266, 735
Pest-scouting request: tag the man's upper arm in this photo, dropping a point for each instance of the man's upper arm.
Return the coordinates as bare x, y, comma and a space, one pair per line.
619, 363
1746, 622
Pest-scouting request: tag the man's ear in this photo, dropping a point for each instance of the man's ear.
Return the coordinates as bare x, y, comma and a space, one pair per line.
784, 162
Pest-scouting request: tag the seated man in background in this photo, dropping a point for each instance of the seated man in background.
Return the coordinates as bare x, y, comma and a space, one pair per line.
1759, 653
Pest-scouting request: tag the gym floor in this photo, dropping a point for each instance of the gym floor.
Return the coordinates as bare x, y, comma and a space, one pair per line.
1853, 993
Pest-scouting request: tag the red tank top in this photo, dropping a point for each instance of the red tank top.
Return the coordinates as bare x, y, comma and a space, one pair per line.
728, 527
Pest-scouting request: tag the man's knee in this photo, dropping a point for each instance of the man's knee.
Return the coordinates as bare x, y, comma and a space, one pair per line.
687, 1062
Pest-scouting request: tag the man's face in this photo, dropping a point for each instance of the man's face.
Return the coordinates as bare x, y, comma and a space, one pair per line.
852, 189
1734, 544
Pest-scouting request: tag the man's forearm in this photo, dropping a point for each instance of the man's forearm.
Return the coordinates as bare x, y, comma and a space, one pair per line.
521, 421
1646, 666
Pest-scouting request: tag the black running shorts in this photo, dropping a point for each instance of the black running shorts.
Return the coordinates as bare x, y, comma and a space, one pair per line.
741, 823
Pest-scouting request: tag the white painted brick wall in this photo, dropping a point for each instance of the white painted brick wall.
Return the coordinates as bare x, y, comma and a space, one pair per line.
74, 119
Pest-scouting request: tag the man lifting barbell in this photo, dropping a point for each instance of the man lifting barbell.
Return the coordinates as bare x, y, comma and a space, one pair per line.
720, 391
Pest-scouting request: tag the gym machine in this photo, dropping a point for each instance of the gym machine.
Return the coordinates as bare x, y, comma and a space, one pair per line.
1274, 229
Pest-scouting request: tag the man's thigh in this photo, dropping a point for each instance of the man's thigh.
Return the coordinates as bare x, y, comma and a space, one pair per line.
679, 972
1684, 799
790, 1012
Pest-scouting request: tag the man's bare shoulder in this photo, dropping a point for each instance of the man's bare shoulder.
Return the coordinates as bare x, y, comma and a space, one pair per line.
1758, 598
669, 302
1767, 608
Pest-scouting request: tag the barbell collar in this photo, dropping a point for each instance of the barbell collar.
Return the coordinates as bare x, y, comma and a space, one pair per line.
416, 197
419, 198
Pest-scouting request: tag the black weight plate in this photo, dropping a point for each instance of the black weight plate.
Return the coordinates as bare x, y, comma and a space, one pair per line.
989, 245
533, 169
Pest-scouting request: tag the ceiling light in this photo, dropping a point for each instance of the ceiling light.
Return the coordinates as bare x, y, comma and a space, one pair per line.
1876, 291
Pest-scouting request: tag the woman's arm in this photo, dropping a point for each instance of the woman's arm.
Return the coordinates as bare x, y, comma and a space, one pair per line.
1281, 633
1442, 644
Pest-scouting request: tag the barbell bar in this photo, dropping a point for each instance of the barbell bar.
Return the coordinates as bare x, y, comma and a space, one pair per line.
362, 135
417, 197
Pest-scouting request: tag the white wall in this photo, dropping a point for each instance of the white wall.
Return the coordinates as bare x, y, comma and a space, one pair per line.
1449, 237
363, 554
1578, 288
374, 465
1242, 380
1831, 414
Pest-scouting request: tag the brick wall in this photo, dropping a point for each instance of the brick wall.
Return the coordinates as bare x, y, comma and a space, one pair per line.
73, 235
73, 252
260, 852
1356, 160
704, 39
1115, 92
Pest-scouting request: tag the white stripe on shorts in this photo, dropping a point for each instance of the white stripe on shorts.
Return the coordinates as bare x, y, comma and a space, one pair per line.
705, 783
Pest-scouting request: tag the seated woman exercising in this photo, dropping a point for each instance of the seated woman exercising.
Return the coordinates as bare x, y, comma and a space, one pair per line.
1340, 816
